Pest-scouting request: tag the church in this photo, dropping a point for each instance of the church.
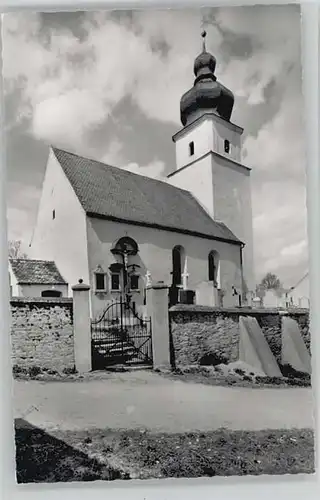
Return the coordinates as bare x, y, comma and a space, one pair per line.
119, 231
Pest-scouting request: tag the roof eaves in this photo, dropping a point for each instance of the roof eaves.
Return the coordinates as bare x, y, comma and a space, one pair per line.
51, 283
164, 228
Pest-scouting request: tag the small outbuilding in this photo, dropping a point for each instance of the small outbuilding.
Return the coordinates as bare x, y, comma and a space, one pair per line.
36, 278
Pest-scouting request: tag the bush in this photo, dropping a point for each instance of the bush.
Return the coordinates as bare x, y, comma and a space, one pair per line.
177, 371
17, 369
239, 371
270, 380
70, 371
298, 382
231, 381
34, 371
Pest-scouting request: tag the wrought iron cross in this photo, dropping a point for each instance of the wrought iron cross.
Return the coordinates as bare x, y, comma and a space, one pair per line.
148, 278
204, 23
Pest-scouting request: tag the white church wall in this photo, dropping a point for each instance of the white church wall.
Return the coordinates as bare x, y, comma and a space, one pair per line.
60, 233
155, 255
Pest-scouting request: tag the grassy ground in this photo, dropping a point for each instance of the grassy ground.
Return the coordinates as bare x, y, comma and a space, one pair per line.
197, 374
203, 377
110, 454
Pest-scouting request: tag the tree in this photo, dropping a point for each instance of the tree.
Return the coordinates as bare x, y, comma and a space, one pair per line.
270, 282
14, 250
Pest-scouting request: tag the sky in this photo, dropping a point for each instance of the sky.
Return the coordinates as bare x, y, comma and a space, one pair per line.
107, 85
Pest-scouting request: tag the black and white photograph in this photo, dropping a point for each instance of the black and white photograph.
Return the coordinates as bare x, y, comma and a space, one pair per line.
158, 260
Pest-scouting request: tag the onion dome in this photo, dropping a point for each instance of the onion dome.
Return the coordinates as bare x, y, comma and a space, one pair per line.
207, 94
204, 61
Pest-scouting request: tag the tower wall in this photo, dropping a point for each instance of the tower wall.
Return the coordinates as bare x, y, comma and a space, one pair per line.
208, 133
217, 179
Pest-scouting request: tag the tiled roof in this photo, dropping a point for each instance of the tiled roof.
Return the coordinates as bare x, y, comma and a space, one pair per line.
36, 272
117, 194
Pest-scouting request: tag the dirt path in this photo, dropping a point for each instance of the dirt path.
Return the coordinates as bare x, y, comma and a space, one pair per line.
146, 400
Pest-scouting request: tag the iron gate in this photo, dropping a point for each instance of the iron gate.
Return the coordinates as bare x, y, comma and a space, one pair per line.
120, 336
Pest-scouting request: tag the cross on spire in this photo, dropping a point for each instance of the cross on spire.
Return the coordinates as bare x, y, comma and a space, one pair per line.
204, 34
204, 22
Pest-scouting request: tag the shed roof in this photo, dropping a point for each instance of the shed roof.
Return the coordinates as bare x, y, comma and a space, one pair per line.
36, 272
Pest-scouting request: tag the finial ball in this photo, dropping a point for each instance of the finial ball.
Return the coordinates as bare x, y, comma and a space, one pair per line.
204, 34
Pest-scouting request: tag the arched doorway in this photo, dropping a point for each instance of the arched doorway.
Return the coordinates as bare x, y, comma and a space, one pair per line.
51, 293
214, 268
177, 265
214, 278
178, 259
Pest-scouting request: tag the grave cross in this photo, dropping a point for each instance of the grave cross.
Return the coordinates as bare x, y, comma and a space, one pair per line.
185, 276
148, 278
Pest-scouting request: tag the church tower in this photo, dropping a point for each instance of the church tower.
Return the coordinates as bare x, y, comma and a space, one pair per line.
208, 157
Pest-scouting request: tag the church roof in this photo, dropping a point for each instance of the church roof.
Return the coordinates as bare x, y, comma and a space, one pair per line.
116, 194
36, 272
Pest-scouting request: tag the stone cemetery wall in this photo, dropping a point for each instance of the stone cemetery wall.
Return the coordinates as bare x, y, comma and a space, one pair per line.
208, 335
42, 333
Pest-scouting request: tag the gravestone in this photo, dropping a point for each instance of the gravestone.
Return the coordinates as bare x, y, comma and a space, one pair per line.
206, 294
294, 351
256, 302
254, 349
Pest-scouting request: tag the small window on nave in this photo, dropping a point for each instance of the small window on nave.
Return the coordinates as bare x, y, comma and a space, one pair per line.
226, 146
115, 281
100, 283
191, 148
134, 282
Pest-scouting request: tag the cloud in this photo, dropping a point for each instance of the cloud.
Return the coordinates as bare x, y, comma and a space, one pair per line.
154, 169
21, 212
277, 158
64, 76
279, 147
114, 156
280, 230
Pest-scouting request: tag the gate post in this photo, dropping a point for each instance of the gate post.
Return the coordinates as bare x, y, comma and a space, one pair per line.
157, 309
82, 327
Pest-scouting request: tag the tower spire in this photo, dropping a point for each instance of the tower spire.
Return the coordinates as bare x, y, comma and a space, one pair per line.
204, 34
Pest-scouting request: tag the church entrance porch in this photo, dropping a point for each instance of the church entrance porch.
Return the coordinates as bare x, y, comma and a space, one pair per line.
120, 336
